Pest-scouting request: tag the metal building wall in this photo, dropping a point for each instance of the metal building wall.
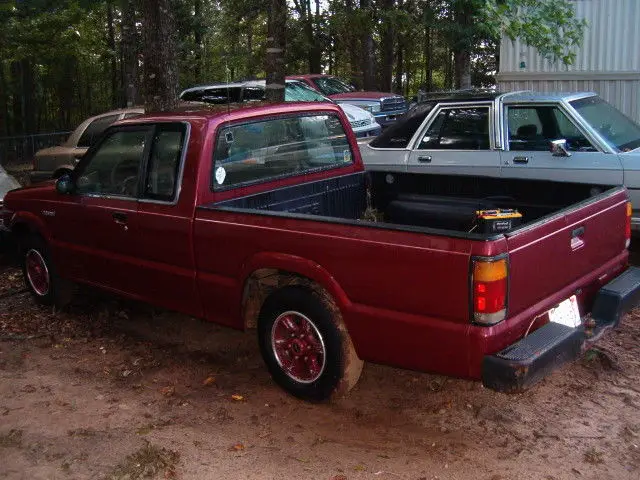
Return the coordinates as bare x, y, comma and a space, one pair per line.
610, 42
608, 62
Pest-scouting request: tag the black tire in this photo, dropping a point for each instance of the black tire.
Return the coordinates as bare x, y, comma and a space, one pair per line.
325, 331
57, 291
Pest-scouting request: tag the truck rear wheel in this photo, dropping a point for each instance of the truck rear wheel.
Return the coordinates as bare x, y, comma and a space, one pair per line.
40, 274
306, 346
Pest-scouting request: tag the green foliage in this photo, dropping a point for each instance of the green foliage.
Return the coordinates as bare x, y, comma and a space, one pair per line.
58, 65
550, 26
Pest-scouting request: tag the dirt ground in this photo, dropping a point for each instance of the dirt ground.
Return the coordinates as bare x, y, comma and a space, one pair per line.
110, 389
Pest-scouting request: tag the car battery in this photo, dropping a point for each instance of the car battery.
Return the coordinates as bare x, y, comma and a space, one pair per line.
498, 220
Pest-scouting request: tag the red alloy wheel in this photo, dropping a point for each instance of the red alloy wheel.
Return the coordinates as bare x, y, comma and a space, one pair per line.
298, 347
37, 272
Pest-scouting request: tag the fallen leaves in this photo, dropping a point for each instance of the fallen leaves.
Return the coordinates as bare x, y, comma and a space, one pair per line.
237, 398
238, 447
208, 381
168, 391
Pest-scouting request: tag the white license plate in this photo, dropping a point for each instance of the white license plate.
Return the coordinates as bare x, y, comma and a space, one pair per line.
567, 313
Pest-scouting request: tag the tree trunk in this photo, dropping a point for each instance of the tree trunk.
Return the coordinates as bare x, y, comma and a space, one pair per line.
159, 49
130, 53
28, 92
251, 66
197, 37
353, 48
4, 104
368, 80
448, 70
111, 43
66, 87
276, 43
462, 60
428, 60
387, 40
399, 67
463, 15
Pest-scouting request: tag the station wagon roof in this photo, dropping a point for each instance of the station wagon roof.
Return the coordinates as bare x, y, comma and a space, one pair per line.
507, 97
528, 96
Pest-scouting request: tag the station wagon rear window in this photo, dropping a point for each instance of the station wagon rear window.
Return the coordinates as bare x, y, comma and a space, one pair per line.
265, 150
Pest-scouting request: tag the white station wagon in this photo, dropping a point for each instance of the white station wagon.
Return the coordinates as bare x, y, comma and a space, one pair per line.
566, 137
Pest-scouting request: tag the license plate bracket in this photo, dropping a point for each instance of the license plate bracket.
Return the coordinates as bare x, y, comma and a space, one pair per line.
566, 313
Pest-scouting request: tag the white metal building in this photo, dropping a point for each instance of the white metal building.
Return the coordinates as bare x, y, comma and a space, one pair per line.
608, 61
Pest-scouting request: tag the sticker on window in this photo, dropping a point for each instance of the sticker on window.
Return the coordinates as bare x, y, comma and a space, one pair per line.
220, 175
228, 136
346, 156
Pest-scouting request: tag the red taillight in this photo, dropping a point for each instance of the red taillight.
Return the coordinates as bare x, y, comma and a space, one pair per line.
627, 225
489, 283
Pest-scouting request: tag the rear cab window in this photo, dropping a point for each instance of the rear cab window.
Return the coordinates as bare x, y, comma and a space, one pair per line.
260, 151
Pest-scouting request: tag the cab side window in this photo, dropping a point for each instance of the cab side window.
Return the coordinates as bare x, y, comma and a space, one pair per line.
163, 168
114, 167
458, 129
279, 147
534, 127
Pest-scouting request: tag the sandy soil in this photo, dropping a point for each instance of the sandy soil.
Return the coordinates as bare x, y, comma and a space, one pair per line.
110, 389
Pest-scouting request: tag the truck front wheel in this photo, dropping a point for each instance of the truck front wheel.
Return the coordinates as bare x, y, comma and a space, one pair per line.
40, 274
306, 346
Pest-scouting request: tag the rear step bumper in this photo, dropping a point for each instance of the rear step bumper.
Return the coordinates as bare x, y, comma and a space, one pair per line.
524, 363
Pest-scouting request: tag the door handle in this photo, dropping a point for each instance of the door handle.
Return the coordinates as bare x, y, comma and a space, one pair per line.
577, 241
119, 217
424, 159
520, 159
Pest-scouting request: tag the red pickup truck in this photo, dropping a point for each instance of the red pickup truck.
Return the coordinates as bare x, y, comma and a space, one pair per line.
263, 217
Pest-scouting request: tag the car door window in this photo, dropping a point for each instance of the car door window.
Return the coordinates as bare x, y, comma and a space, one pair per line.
279, 147
95, 129
458, 129
164, 162
114, 167
533, 128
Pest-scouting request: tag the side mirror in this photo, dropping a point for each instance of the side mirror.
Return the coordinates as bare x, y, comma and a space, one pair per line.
65, 184
559, 148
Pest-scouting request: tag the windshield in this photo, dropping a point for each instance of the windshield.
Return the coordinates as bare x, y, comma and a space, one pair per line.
299, 92
609, 122
331, 85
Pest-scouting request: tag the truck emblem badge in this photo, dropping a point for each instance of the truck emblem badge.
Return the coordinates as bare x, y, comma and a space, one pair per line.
49, 213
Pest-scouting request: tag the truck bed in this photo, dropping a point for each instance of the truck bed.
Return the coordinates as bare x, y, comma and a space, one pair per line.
449, 202
376, 269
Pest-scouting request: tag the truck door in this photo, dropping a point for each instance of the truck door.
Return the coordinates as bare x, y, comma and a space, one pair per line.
95, 230
457, 141
530, 131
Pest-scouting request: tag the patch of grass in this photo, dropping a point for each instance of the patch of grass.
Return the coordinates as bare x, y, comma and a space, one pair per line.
593, 456
82, 432
147, 462
13, 438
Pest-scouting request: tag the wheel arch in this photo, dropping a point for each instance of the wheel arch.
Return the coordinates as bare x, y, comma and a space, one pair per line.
25, 223
269, 272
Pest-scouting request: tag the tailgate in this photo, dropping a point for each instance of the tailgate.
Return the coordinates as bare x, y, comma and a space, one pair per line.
557, 250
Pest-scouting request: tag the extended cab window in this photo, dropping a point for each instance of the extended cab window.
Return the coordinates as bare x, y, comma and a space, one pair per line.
164, 162
458, 129
114, 167
279, 147
534, 127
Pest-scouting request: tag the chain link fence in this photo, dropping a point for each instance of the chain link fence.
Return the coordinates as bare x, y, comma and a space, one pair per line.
21, 149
